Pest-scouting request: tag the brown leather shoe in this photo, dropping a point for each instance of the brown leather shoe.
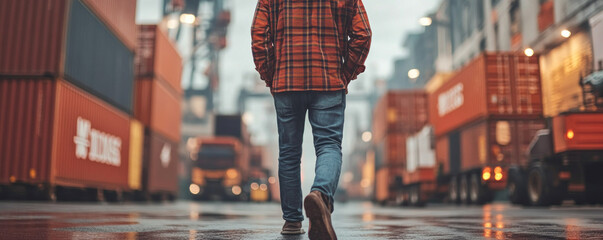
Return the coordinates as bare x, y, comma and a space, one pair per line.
292, 228
319, 214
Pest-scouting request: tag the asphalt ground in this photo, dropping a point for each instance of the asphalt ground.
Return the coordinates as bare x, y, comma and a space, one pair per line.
353, 220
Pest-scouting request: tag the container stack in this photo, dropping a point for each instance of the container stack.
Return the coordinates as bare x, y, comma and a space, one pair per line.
157, 106
398, 114
66, 88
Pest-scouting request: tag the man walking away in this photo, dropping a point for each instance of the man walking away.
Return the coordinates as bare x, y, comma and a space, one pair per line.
307, 52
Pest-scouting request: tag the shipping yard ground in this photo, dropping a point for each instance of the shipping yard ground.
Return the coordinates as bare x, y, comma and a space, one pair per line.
354, 220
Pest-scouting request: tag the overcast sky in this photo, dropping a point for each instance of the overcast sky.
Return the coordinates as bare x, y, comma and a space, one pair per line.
390, 20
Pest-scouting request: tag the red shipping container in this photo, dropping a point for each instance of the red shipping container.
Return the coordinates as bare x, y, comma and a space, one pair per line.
119, 16
493, 85
586, 131
32, 36
160, 163
60, 134
158, 57
402, 111
546, 16
158, 106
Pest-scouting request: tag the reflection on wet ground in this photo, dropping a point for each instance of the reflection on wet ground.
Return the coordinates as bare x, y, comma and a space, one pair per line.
185, 220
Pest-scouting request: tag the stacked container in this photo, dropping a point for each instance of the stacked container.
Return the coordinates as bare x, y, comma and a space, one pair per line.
397, 115
157, 106
66, 81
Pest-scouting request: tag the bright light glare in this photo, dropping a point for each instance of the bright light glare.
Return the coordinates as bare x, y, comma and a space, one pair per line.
194, 188
254, 186
529, 52
566, 33
236, 190
414, 73
425, 21
367, 136
263, 187
187, 18
272, 180
570, 134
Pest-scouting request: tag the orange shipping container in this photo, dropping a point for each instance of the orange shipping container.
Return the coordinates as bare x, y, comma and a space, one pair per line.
493, 85
403, 111
160, 163
158, 107
55, 133
120, 16
158, 57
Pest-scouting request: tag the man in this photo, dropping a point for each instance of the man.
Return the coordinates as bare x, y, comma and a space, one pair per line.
307, 52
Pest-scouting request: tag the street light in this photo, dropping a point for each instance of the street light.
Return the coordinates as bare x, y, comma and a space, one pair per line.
566, 33
425, 21
367, 136
529, 52
187, 18
414, 73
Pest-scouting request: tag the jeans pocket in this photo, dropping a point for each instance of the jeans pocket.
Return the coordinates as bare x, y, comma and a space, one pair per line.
326, 100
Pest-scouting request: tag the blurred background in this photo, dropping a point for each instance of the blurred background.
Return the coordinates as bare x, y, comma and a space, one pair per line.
463, 101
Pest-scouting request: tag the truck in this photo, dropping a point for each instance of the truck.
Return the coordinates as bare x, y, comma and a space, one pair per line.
566, 157
219, 170
483, 120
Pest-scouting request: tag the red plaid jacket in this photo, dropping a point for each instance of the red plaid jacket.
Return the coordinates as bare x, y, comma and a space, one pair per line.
317, 45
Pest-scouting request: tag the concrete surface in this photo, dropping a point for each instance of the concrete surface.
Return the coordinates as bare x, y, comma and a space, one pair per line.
355, 220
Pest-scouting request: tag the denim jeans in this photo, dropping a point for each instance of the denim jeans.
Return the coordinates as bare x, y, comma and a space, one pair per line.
326, 115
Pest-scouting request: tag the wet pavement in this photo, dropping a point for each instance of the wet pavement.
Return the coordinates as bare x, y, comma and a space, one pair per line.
354, 220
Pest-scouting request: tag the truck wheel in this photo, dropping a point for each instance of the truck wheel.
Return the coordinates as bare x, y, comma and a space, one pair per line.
464, 190
477, 194
539, 191
453, 190
516, 188
415, 196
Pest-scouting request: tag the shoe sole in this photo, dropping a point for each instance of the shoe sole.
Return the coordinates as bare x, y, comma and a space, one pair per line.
293, 232
320, 219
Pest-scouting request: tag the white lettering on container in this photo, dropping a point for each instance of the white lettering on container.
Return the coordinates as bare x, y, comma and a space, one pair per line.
450, 100
165, 155
103, 147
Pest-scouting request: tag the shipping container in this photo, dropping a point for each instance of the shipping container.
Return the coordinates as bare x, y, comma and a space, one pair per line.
96, 60
401, 111
160, 164
119, 16
493, 85
420, 150
157, 57
61, 135
32, 37
61, 38
158, 107
562, 69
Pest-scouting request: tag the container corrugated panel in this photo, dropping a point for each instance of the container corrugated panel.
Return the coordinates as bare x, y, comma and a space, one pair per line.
400, 112
96, 60
32, 36
91, 144
136, 148
120, 16
474, 146
395, 149
161, 163
27, 107
158, 57
158, 107
561, 70
494, 84
546, 16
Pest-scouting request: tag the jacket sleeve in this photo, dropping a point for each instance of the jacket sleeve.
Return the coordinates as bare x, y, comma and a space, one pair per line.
359, 43
262, 46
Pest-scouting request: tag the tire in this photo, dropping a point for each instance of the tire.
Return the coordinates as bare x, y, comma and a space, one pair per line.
516, 187
539, 190
464, 190
477, 193
415, 196
453, 190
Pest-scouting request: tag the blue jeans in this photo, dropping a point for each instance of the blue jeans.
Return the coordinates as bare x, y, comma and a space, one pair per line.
326, 115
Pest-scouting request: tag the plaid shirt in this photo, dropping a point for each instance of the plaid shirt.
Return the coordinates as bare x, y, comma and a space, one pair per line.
310, 45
